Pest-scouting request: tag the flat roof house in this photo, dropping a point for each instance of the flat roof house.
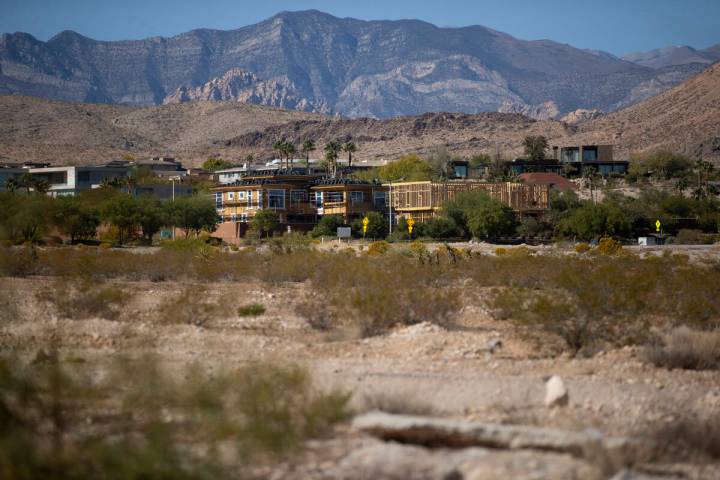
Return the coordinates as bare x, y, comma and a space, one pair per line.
72, 180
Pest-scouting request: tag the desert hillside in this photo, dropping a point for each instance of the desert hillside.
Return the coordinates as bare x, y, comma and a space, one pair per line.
685, 119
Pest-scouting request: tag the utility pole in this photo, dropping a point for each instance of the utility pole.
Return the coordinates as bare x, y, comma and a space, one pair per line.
390, 209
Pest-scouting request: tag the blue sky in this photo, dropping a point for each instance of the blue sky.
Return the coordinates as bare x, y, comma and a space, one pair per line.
617, 26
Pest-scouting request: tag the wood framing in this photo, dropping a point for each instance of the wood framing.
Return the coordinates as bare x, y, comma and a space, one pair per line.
422, 200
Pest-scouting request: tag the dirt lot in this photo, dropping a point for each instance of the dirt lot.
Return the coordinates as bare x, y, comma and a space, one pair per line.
423, 368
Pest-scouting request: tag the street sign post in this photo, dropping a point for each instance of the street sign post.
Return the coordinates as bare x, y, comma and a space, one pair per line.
657, 225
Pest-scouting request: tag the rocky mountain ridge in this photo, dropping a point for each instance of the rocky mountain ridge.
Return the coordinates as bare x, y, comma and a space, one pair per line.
312, 61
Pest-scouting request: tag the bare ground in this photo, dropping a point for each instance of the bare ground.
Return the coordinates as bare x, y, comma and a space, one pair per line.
447, 372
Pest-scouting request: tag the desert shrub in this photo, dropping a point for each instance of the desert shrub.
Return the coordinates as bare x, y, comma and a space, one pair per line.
501, 251
251, 310
327, 226
686, 438
378, 248
582, 248
265, 411
82, 299
18, 261
686, 349
418, 249
316, 312
691, 237
192, 306
609, 246
438, 228
582, 304
185, 244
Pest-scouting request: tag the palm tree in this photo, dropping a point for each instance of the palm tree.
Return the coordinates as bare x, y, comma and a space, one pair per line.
280, 147
332, 148
41, 185
349, 148
26, 181
290, 152
307, 147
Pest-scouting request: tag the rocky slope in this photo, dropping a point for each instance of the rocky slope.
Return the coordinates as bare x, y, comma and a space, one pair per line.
317, 62
685, 119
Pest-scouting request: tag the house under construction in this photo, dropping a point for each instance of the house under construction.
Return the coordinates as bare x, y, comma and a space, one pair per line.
423, 200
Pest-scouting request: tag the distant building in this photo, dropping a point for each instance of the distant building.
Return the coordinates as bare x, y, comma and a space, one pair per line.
10, 172
571, 161
424, 200
73, 180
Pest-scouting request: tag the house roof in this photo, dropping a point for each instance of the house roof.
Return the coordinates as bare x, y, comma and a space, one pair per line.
545, 178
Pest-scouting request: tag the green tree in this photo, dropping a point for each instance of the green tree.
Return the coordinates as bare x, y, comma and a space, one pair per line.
660, 165
212, 164
409, 168
122, 211
193, 214
377, 227
266, 220
327, 226
152, 215
25, 218
491, 220
592, 221
535, 147
479, 215
75, 219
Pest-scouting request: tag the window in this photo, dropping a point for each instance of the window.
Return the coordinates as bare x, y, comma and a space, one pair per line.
590, 154
333, 197
570, 155
218, 200
231, 195
298, 196
249, 198
379, 199
241, 195
460, 171
276, 199
243, 217
316, 198
357, 197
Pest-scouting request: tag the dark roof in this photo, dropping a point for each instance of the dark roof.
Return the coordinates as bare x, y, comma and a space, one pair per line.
546, 178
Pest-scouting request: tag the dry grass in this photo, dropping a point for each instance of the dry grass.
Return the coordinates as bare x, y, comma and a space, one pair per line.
686, 349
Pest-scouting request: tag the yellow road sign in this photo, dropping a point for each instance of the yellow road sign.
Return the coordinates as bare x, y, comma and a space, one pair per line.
410, 223
364, 228
657, 225
365, 221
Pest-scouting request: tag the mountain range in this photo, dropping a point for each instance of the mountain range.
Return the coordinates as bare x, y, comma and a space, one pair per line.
684, 119
314, 62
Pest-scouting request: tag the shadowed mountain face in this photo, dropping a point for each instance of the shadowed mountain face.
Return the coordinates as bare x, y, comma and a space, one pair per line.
674, 56
316, 62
